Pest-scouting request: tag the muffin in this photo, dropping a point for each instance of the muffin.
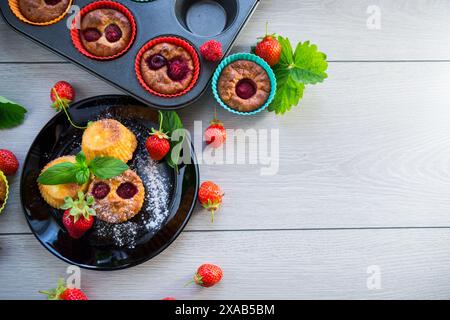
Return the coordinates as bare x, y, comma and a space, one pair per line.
105, 32
54, 194
167, 68
41, 11
244, 86
118, 199
108, 138
3, 191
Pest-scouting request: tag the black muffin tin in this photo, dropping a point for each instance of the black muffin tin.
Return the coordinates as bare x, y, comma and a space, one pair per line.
193, 20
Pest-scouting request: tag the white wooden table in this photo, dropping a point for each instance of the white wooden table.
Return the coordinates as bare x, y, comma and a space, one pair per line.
364, 175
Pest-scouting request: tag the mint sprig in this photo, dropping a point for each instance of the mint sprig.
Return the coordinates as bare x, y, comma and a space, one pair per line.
170, 122
80, 171
11, 113
305, 65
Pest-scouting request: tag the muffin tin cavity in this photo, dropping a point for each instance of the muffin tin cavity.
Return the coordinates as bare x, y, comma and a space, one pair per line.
206, 18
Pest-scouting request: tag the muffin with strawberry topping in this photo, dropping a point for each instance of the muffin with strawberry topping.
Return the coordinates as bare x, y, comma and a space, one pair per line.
41, 11
105, 32
118, 199
167, 68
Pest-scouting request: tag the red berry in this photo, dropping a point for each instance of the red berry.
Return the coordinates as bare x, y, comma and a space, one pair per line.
269, 49
211, 50
210, 197
169, 298
61, 292
8, 162
157, 145
73, 294
64, 90
208, 275
78, 217
215, 134
113, 33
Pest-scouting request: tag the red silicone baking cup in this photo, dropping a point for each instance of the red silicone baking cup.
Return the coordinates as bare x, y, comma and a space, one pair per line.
75, 33
176, 41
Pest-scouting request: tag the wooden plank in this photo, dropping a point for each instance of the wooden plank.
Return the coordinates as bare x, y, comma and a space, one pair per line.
368, 148
257, 265
410, 30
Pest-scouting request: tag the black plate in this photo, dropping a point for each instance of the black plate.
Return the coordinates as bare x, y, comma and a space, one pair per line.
194, 20
106, 246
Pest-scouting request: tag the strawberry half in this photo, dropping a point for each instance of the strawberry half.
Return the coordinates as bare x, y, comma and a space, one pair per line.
61, 292
210, 197
78, 215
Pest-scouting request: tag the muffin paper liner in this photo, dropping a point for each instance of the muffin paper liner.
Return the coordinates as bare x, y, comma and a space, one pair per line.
75, 33
2, 177
14, 6
176, 41
250, 57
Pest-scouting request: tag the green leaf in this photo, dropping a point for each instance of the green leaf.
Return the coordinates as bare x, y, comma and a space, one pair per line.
310, 64
60, 173
305, 66
171, 121
82, 176
107, 167
176, 147
11, 114
80, 158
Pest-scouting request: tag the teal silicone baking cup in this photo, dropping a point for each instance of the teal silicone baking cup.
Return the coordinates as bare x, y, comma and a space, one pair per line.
250, 57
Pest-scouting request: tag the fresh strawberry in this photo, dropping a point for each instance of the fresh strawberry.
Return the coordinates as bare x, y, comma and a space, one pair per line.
61, 292
62, 94
210, 197
211, 50
157, 145
79, 215
208, 275
8, 162
169, 298
269, 49
215, 134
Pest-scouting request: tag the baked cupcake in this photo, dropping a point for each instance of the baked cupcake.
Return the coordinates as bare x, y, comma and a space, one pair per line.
167, 67
244, 86
105, 32
54, 194
118, 199
43, 11
108, 138
3, 190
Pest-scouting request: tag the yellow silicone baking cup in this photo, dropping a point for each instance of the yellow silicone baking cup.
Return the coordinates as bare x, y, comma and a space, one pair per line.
2, 177
14, 6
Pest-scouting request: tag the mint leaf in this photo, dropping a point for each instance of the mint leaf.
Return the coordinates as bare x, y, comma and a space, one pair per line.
171, 121
81, 158
82, 176
310, 64
11, 113
60, 173
107, 167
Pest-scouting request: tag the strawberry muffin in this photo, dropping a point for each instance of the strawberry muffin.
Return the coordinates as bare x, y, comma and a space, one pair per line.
105, 32
167, 68
41, 11
244, 86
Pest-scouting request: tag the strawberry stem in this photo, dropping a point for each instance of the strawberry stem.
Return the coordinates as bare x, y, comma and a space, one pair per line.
63, 105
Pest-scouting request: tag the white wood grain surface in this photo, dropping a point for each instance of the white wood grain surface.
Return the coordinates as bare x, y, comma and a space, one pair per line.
364, 168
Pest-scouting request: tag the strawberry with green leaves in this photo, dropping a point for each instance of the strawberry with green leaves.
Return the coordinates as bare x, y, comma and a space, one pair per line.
79, 215
62, 94
62, 292
157, 144
208, 275
210, 197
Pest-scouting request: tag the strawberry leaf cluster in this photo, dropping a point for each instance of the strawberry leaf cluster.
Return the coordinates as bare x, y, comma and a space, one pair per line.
305, 65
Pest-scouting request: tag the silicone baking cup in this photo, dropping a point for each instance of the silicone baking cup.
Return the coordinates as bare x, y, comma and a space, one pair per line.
14, 6
250, 57
176, 41
2, 177
75, 33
